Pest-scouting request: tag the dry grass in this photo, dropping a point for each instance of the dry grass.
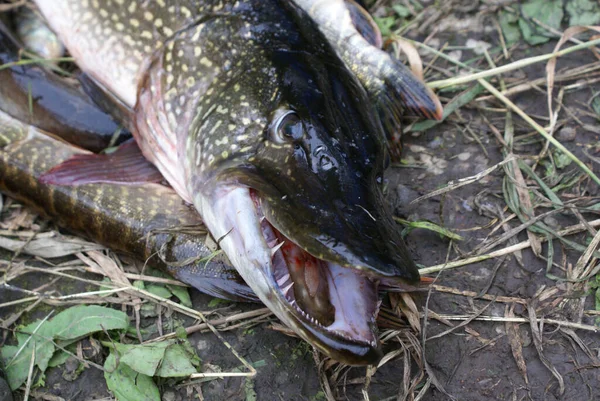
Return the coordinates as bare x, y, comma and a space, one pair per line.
529, 198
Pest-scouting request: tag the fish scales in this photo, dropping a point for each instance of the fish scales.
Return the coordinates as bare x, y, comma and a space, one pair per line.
140, 220
180, 46
119, 35
249, 110
52, 103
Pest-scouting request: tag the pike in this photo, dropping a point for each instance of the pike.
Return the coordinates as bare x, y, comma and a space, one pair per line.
152, 222
33, 94
250, 111
165, 233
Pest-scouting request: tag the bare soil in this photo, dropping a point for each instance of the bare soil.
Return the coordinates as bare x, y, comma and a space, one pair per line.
474, 362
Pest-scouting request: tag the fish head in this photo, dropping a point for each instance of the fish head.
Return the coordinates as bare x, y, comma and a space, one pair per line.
322, 167
301, 213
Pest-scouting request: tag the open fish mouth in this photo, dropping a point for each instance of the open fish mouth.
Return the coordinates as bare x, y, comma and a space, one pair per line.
336, 305
332, 307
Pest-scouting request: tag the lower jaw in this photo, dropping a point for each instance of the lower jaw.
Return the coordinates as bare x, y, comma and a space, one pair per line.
357, 345
353, 297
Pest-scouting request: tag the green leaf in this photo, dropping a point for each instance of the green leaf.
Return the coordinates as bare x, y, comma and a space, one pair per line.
402, 11
595, 206
509, 23
61, 356
249, 390
70, 324
142, 358
385, 24
181, 293
158, 290
127, 384
560, 159
549, 12
164, 359
148, 310
17, 368
176, 363
583, 12
218, 301
17, 372
43, 344
188, 347
79, 321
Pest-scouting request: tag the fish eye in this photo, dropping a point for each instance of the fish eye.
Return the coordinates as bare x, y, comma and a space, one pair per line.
288, 128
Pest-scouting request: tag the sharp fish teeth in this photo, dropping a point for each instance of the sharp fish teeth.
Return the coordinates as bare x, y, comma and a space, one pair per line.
287, 289
284, 279
276, 248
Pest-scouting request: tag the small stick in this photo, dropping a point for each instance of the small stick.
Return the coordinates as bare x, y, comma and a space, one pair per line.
539, 129
509, 67
505, 251
562, 323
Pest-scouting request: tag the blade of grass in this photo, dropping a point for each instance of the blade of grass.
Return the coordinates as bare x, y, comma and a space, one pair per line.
509, 67
549, 193
427, 225
36, 61
508, 250
539, 129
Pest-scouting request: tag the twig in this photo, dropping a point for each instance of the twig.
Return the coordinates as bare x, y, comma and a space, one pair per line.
539, 129
561, 323
462, 182
509, 67
504, 251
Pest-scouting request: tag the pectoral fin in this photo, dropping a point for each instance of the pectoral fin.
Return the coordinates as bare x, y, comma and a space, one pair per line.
218, 281
125, 166
403, 89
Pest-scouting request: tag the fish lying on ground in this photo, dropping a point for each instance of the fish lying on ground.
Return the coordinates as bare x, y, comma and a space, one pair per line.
149, 222
388, 82
250, 114
31, 93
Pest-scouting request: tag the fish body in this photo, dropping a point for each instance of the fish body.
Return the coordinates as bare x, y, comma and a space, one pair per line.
149, 221
33, 94
388, 82
250, 113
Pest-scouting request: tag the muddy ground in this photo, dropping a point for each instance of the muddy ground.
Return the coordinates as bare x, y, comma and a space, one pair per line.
474, 362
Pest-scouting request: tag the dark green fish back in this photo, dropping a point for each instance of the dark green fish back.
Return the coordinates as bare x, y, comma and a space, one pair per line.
34, 94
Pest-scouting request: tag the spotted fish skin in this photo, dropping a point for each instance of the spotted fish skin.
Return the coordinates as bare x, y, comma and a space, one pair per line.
251, 116
36, 36
390, 84
149, 221
172, 63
